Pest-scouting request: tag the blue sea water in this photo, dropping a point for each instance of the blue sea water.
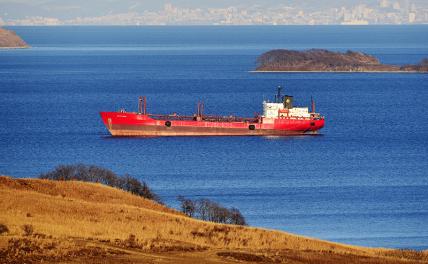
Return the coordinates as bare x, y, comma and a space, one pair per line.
363, 181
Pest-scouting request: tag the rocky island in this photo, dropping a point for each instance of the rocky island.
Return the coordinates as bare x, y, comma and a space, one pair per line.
9, 39
320, 60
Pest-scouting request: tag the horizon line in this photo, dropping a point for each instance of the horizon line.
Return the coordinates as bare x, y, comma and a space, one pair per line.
211, 25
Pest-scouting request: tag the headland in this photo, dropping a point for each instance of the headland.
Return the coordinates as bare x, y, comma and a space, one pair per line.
10, 40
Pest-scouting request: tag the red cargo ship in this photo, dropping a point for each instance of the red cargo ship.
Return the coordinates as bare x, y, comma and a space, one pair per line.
279, 118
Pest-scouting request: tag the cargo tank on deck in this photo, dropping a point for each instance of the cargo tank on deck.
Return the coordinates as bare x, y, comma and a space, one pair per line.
279, 118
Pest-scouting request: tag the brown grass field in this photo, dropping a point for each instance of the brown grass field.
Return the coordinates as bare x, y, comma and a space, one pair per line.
76, 222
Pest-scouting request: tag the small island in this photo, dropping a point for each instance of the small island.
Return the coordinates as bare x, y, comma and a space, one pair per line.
320, 60
9, 40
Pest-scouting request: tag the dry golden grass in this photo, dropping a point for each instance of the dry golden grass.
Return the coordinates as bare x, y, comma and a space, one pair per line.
70, 221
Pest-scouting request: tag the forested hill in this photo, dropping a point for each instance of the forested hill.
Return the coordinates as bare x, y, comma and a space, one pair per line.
319, 60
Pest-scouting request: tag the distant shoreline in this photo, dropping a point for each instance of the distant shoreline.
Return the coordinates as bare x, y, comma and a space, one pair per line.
215, 25
255, 71
5, 48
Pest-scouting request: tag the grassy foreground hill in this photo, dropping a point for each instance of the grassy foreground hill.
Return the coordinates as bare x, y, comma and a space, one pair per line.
77, 222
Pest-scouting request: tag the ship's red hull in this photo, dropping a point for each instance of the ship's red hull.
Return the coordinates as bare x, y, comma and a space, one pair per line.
133, 124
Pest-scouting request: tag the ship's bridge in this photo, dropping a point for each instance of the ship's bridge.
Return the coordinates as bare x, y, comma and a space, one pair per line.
276, 110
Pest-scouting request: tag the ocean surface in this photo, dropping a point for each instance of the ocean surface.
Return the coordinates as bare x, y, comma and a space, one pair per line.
363, 181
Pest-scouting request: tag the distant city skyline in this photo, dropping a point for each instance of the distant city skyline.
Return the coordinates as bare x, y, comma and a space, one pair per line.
233, 12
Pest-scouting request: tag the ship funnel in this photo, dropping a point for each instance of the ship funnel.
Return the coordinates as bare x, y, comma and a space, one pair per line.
288, 101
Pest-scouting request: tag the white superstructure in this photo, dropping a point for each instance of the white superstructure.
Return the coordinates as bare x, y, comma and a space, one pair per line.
275, 110
299, 112
270, 110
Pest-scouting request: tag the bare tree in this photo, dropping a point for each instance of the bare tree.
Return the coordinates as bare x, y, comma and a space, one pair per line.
208, 210
236, 217
188, 207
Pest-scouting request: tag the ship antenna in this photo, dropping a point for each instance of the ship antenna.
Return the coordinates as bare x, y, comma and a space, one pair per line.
198, 109
313, 105
278, 96
145, 106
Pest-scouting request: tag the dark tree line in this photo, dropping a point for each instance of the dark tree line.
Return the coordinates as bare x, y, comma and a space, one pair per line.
208, 210
91, 173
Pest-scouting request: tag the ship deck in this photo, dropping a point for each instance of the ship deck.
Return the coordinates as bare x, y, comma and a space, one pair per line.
206, 118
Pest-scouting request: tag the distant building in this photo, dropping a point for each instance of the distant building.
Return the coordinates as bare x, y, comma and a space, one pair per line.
355, 22
396, 6
381, 12
383, 3
412, 17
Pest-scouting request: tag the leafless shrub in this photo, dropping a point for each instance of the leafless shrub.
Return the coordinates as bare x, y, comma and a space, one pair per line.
28, 230
208, 210
187, 206
3, 229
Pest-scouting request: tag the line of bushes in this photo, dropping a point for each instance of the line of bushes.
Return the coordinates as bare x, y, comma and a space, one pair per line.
208, 210
92, 173
203, 209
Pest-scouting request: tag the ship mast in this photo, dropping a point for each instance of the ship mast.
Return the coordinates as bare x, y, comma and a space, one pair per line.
278, 95
312, 105
142, 105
